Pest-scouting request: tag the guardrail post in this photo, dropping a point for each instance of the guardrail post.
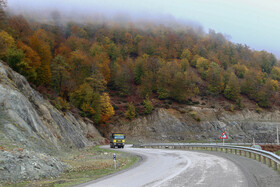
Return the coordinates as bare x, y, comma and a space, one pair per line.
260, 158
270, 164
255, 158
275, 166
240, 152
264, 160
235, 151
216, 148
250, 155
226, 150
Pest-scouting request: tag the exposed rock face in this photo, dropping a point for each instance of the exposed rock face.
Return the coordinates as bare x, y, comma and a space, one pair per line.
173, 125
30, 122
27, 165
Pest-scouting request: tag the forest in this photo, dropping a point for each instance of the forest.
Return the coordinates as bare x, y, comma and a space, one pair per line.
87, 67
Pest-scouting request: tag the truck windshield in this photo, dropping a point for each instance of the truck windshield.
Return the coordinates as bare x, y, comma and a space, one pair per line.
118, 136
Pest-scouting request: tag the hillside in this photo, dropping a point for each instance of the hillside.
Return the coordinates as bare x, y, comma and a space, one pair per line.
85, 66
33, 132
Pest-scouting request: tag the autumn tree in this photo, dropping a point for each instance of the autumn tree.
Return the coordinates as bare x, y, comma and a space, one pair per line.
186, 54
106, 109
85, 99
80, 64
63, 50
76, 43
202, 65
20, 27
31, 56
240, 70
40, 43
88, 98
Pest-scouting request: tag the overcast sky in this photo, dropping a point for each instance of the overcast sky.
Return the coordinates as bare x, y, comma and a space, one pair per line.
252, 22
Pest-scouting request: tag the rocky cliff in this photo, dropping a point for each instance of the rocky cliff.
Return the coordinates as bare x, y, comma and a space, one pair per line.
28, 122
202, 124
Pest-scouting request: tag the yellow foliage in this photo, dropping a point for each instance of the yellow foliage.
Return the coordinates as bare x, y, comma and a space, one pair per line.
6, 42
107, 109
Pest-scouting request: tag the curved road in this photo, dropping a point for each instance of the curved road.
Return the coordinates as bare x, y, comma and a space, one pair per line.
163, 167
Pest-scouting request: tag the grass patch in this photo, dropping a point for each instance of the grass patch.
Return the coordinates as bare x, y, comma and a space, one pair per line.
87, 165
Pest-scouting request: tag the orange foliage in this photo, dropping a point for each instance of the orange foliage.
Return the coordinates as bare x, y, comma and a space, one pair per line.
63, 50
31, 55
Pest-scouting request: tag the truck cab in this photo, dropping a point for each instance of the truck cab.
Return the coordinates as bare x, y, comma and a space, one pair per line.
117, 140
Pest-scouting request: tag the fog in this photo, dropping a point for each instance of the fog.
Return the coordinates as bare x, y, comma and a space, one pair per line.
251, 22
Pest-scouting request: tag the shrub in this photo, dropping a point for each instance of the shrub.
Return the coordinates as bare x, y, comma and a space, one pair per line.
259, 110
130, 113
148, 106
195, 116
231, 107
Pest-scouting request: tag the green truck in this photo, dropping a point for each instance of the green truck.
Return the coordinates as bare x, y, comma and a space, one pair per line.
117, 140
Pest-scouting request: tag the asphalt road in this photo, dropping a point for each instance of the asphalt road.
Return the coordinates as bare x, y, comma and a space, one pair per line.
163, 167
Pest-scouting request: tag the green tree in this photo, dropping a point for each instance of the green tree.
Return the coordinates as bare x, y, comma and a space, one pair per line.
215, 79
232, 90
251, 83
123, 79
87, 100
267, 93
15, 56
275, 73
60, 73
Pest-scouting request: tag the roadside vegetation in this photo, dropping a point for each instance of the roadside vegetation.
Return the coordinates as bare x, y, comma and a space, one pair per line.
86, 165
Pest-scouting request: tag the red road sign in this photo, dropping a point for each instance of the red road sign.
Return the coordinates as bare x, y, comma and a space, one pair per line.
224, 136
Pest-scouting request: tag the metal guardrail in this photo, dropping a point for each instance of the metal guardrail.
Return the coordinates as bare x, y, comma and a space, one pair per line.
266, 157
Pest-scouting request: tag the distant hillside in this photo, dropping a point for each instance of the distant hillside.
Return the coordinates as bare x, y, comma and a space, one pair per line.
106, 70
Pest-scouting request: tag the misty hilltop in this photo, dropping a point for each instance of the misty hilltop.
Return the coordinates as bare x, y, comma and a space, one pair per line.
104, 69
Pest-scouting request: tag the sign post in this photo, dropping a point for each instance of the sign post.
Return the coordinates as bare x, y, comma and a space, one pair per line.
224, 136
277, 135
115, 160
